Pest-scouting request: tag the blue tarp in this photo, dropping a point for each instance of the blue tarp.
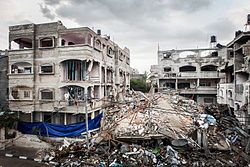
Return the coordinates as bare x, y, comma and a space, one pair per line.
56, 130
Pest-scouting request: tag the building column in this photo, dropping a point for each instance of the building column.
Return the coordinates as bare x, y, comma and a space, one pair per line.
198, 82
31, 117
105, 81
65, 118
41, 117
176, 84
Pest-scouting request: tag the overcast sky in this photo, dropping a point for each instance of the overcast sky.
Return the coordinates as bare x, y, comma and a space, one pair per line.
137, 24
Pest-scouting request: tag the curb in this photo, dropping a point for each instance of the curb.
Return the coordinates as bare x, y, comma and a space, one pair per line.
23, 157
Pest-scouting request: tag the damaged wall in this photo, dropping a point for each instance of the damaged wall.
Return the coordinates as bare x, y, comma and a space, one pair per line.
49, 59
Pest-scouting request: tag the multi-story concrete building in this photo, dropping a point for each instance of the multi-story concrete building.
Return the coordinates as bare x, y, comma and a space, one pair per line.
194, 75
234, 88
3, 80
53, 69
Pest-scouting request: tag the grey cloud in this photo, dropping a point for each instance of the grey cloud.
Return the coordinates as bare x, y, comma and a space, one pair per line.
52, 2
190, 5
47, 12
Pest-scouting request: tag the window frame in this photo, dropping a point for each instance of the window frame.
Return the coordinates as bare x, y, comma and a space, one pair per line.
47, 73
46, 90
44, 47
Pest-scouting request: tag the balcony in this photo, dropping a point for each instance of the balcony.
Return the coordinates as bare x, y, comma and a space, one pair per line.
95, 79
199, 90
225, 94
75, 51
193, 75
210, 74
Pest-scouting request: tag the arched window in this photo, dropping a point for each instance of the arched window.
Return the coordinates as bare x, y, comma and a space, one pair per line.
187, 68
98, 44
46, 42
110, 51
221, 93
209, 68
230, 94
74, 70
46, 94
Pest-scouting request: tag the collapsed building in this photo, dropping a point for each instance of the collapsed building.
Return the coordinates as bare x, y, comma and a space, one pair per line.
191, 72
54, 69
3, 80
233, 90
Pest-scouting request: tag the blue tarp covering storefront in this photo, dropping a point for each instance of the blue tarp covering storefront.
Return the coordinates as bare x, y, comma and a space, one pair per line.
56, 130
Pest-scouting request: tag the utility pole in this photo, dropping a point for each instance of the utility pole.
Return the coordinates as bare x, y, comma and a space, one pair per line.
87, 121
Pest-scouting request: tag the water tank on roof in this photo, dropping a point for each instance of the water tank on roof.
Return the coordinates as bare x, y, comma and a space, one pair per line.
248, 19
213, 39
99, 32
237, 33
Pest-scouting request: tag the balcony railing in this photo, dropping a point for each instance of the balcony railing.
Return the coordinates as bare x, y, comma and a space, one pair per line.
200, 90
202, 74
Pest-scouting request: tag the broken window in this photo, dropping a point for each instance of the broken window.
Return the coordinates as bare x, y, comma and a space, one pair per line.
122, 56
46, 69
110, 74
110, 51
167, 69
183, 85
209, 68
72, 94
21, 92
21, 68
14, 94
166, 55
221, 93
72, 39
46, 94
47, 117
46, 42
208, 100
98, 44
128, 60
74, 70
21, 43
187, 68
26, 94
230, 94
71, 43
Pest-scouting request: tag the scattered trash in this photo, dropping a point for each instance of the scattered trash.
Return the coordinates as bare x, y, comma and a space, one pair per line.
159, 130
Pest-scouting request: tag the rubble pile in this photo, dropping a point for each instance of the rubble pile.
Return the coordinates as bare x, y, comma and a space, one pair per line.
147, 119
160, 130
183, 104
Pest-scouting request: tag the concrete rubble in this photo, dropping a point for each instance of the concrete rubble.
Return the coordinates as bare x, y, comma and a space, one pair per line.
159, 130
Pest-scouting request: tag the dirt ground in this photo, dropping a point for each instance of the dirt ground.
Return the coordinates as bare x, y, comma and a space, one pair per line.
15, 162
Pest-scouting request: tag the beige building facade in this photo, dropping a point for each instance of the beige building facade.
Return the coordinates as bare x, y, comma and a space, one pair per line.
190, 72
53, 70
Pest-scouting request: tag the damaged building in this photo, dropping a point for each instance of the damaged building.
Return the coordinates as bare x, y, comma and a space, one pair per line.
191, 72
3, 80
233, 90
54, 69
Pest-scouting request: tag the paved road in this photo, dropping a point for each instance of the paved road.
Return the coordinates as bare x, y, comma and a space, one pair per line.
15, 162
